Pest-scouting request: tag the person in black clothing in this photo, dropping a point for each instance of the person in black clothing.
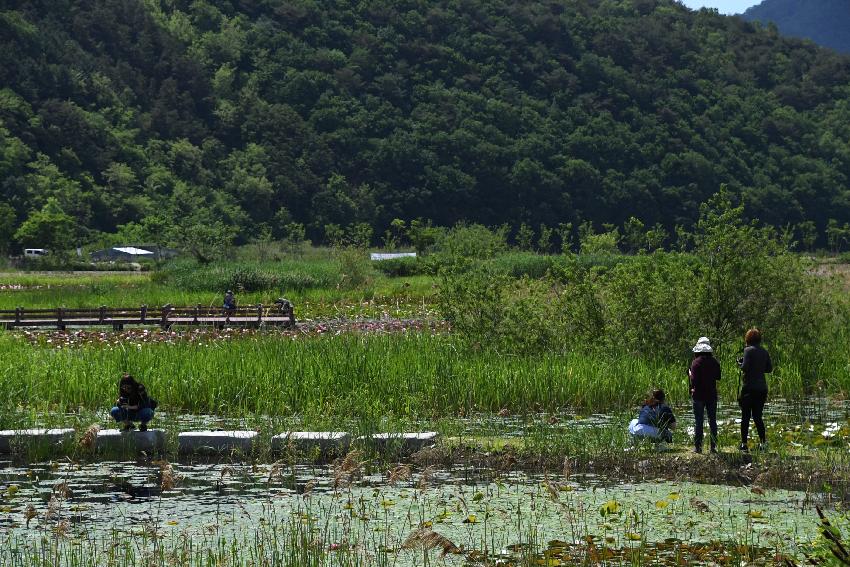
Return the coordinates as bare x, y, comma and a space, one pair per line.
754, 365
703, 375
133, 404
229, 301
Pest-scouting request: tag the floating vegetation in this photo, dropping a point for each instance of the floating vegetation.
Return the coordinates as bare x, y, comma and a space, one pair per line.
268, 511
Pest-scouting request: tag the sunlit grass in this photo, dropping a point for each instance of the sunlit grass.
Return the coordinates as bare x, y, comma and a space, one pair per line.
415, 375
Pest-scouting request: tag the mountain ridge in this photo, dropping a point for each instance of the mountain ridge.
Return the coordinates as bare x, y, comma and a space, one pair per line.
255, 116
826, 22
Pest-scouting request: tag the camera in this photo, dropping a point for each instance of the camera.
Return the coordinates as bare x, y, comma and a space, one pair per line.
123, 401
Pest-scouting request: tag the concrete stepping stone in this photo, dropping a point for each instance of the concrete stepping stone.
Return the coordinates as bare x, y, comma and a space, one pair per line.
325, 442
404, 443
216, 442
12, 439
115, 440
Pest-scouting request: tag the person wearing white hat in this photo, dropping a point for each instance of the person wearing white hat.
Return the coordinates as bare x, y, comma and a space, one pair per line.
703, 375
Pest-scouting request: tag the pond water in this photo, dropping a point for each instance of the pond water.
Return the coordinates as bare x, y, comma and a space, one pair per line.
501, 516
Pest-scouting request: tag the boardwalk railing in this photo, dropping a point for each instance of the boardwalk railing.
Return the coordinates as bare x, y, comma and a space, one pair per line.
279, 314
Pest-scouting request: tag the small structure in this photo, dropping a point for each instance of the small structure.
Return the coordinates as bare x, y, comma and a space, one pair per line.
117, 441
378, 256
402, 443
132, 253
12, 440
253, 316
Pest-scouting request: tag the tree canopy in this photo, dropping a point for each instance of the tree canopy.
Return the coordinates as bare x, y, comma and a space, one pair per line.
257, 116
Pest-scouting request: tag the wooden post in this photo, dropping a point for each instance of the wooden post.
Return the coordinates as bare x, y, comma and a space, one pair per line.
102, 313
18, 314
166, 309
197, 312
259, 313
59, 313
144, 311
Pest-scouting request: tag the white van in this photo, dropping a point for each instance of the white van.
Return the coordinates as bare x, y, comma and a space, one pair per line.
35, 252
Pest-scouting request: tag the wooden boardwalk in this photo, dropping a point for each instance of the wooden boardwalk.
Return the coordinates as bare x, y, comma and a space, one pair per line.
253, 316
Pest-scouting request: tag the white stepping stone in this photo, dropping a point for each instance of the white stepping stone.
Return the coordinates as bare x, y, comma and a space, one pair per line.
307, 441
404, 442
115, 440
11, 439
212, 442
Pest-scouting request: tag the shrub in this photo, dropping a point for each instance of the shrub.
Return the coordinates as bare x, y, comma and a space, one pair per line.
401, 267
519, 264
249, 276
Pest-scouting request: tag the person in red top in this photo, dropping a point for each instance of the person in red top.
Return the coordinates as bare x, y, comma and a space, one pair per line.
704, 374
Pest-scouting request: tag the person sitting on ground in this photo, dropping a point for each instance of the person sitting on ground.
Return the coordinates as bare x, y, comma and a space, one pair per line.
229, 301
133, 404
656, 419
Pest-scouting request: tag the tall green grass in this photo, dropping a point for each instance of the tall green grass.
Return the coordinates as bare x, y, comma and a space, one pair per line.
360, 376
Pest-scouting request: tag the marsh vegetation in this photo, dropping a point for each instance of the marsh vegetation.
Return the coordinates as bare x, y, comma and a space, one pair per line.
529, 366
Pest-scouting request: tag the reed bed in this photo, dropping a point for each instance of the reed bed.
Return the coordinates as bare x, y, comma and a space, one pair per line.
408, 375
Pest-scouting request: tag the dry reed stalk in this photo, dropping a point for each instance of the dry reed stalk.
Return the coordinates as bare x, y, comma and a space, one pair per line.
699, 504
29, 514
399, 473
552, 488
277, 469
168, 478
426, 477
429, 539
346, 470
567, 469
62, 528
61, 490
308, 488
53, 506
87, 441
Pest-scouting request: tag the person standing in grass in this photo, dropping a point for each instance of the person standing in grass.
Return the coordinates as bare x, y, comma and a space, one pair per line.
133, 404
754, 365
703, 375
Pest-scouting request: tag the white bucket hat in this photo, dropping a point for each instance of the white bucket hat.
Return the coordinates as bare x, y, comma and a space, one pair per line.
703, 345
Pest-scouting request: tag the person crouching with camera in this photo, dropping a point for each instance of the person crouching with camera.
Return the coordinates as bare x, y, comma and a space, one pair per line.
133, 404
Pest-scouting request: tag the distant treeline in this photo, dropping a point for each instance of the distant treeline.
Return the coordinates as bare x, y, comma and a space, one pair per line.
208, 122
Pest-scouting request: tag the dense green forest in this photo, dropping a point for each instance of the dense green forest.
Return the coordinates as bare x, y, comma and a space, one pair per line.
826, 22
259, 118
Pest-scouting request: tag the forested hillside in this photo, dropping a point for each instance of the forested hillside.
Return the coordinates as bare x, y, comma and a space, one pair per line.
254, 116
826, 22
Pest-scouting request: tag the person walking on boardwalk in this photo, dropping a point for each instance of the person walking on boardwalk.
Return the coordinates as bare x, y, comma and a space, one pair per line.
754, 365
133, 404
703, 376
